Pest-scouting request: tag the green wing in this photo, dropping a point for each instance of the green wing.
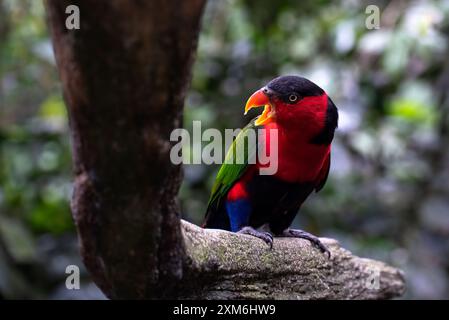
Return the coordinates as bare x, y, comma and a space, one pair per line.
230, 170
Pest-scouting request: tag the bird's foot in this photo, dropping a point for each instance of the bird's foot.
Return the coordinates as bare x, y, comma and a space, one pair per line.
265, 236
296, 233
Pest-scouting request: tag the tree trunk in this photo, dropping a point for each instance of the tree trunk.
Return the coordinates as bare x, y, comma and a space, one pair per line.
124, 76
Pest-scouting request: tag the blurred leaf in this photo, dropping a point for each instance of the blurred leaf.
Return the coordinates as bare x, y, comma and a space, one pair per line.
17, 239
412, 111
51, 216
53, 107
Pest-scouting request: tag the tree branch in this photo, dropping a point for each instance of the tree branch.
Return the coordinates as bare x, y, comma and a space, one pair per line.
225, 265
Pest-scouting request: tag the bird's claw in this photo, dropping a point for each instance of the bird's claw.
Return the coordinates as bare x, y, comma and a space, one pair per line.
308, 236
265, 236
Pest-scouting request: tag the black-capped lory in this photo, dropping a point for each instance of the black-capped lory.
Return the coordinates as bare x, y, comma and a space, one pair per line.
246, 201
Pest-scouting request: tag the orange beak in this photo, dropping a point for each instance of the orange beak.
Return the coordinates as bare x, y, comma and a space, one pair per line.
260, 99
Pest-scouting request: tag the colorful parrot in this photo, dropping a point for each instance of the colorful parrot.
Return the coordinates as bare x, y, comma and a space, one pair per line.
245, 201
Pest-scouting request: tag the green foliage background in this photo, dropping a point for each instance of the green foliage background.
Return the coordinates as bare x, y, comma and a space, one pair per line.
387, 196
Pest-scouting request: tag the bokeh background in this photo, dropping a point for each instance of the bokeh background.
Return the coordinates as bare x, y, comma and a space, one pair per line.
388, 192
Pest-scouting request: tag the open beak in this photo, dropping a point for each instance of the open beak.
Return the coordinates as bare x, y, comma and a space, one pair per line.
260, 99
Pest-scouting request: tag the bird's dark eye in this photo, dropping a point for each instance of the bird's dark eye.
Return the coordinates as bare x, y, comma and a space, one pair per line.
293, 98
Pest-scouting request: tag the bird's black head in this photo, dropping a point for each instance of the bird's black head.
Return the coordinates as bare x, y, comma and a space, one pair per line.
285, 86
293, 102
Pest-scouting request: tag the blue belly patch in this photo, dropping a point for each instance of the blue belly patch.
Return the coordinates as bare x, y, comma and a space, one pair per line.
238, 212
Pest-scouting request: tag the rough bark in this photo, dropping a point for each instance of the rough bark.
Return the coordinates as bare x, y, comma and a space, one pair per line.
227, 265
124, 75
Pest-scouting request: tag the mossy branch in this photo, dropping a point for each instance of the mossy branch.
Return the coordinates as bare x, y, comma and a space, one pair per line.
226, 265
